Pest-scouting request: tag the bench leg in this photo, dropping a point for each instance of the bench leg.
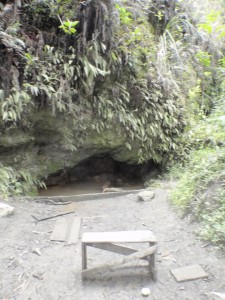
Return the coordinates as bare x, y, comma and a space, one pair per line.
152, 264
84, 256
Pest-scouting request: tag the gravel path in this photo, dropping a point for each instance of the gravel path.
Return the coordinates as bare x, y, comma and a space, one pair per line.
55, 274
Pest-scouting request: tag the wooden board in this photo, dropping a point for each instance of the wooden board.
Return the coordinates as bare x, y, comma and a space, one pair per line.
114, 248
138, 236
60, 230
189, 273
74, 231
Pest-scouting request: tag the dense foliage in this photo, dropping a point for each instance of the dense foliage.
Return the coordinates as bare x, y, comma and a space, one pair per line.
96, 63
200, 188
104, 72
200, 173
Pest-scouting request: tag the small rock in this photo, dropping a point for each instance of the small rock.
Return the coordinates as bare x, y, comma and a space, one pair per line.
38, 276
182, 288
6, 210
145, 292
36, 251
146, 196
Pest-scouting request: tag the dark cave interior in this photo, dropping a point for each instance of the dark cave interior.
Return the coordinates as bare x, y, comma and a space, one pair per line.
105, 172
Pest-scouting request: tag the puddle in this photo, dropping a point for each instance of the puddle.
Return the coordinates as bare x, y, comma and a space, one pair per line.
80, 188
96, 174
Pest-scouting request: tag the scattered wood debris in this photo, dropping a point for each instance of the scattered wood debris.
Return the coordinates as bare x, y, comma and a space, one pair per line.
74, 232
60, 230
38, 276
52, 217
53, 202
191, 272
66, 230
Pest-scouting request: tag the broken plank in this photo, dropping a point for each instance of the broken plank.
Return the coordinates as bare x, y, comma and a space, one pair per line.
114, 248
60, 230
187, 273
114, 263
52, 217
74, 231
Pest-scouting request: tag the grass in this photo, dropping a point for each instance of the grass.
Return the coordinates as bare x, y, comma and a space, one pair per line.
200, 179
203, 168
213, 221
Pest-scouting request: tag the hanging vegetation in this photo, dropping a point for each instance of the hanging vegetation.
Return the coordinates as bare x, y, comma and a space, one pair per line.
118, 74
98, 61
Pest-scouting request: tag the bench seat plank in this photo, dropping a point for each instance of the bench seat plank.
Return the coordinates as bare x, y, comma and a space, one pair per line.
139, 236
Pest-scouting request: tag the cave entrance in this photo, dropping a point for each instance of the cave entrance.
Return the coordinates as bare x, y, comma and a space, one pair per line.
99, 174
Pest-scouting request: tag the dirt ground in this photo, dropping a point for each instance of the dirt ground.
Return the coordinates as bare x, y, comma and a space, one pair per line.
54, 271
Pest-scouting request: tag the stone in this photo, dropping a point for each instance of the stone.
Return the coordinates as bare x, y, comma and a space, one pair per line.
191, 272
20, 151
146, 196
6, 210
145, 292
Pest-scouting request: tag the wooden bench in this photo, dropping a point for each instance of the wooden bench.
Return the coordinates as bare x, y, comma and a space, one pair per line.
109, 241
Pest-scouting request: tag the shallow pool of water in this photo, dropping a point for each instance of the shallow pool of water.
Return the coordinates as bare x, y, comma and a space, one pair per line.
88, 187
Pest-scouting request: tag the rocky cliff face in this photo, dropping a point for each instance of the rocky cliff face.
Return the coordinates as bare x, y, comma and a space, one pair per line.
78, 79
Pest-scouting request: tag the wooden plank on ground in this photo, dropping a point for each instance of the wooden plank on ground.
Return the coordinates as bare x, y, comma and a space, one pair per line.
74, 231
60, 230
189, 273
114, 263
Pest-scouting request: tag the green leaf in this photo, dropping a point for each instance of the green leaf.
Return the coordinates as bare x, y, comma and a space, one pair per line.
206, 27
5, 115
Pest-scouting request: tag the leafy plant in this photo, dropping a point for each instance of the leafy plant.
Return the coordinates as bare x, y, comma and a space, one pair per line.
68, 26
14, 106
204, 58
15, 183
125, 16
159, 15
211, 21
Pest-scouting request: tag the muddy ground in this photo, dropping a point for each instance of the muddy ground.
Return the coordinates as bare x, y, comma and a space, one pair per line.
33, 267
